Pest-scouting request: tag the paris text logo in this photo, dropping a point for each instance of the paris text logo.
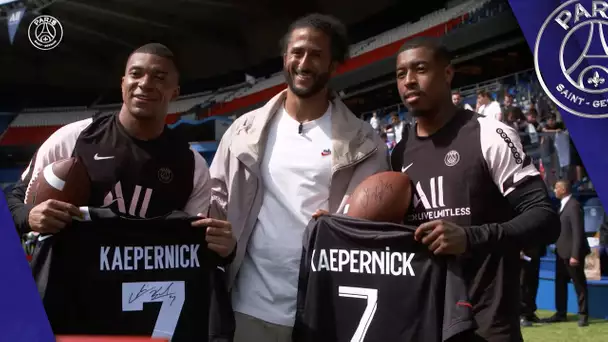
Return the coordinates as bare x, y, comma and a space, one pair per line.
45, 32
571, 57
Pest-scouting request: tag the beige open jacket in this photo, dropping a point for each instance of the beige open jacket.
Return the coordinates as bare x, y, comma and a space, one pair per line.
236, 184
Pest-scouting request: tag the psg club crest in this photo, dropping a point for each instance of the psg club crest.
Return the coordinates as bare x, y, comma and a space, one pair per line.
45, 32
571, 57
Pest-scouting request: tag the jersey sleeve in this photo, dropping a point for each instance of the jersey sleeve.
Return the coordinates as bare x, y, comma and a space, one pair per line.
458, 312
60, 145
198, 202
503, 153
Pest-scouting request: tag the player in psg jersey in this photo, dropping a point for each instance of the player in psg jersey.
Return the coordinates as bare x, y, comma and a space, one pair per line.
137, 166
476, 193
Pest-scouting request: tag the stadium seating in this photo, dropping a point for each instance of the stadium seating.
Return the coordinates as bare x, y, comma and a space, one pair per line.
39, 127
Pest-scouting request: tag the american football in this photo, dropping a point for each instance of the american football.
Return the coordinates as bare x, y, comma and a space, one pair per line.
383, 197
65, 180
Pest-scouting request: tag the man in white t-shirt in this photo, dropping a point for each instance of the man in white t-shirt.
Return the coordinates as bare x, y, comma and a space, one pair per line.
487, 106
276, 166
375, 122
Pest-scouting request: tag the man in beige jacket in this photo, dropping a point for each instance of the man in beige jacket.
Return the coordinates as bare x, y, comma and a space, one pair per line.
275, 166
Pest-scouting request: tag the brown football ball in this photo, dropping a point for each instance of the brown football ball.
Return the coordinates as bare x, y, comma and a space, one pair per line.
383, 197
65, 180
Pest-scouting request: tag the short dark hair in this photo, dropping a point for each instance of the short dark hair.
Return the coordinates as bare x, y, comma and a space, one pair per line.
440, 51
566, 184
515, 111
329, 25
455, 92
159, 50
484, 93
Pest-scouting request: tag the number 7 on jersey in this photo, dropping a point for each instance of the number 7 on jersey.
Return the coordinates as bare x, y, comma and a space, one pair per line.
172, 295
371, 296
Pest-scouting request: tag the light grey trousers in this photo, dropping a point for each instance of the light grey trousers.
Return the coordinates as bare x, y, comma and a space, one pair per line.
251, 329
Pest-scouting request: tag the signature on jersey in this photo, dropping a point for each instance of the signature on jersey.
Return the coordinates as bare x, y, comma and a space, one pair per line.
155, 292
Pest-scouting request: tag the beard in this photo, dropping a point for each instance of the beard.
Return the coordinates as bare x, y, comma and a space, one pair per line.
319, 81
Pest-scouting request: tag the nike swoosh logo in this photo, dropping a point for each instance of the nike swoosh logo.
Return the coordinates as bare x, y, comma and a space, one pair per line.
403, 169
97, 157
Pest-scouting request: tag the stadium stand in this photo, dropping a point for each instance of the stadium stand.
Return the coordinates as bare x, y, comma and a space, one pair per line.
33, 125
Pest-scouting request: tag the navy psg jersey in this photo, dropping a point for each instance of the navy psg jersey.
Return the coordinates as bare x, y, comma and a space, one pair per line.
117, 276
463, 174
366, 282
464, 171
136, 178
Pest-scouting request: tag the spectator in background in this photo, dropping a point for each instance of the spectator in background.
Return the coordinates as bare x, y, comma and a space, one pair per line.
390, 132
508, 101
487, 106
457, 101
571, 248
507, 105
514, 117
390, 144
375, 122
398, 126
551, 125
577, 163
532, 118
547, 146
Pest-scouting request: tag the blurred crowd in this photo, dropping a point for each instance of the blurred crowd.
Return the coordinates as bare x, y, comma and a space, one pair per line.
543, 134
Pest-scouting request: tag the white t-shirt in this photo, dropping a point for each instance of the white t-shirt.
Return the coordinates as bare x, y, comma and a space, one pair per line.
491, 110
296, 174
399, 131
374, 122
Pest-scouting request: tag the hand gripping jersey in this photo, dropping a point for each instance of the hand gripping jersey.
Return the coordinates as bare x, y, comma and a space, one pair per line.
364, 281
109, 275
